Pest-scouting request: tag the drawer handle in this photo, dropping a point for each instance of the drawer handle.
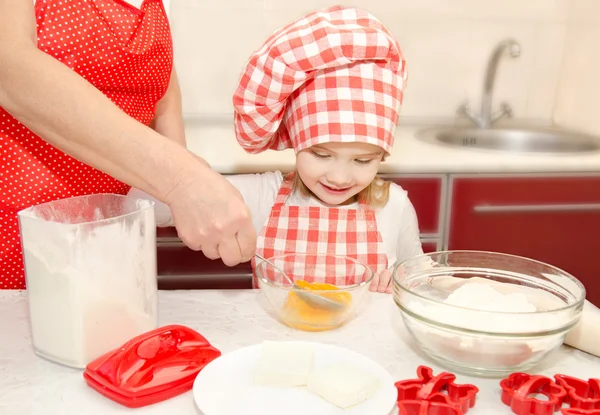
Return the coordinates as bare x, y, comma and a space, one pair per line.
169, 242
575, 207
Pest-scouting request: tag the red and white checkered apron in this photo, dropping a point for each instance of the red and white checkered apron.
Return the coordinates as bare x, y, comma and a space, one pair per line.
320, 230
127, 54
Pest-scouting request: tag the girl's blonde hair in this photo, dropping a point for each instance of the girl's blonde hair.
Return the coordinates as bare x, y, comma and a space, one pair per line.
376, 194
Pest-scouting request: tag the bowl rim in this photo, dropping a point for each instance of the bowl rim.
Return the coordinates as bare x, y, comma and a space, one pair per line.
576, 304
261, 279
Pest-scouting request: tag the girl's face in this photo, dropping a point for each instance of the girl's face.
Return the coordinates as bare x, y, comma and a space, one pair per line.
336, 172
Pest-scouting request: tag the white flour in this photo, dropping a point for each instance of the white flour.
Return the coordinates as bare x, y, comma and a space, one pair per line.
485, 297
482, 307
91, 287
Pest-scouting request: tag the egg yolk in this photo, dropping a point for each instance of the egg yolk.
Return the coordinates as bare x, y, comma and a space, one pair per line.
301, 315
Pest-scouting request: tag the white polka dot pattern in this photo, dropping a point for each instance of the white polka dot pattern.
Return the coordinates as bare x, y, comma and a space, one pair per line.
123, 51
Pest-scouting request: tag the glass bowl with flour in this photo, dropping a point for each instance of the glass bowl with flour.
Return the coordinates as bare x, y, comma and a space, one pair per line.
486, 313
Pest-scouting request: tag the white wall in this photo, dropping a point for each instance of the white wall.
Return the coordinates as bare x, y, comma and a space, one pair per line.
578, 98
446, 43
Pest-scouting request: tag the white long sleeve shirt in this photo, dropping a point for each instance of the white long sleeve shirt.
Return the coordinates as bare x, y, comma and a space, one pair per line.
396, 221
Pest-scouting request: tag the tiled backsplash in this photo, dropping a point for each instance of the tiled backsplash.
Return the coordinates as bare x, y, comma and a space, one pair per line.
578, 98
446, 43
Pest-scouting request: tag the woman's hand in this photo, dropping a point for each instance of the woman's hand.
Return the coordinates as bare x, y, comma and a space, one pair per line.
210, 215
382, 282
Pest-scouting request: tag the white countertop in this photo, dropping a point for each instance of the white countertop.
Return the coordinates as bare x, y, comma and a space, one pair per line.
229, 320
216, 143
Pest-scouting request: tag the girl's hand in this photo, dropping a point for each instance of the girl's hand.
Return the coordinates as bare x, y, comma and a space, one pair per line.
382, 282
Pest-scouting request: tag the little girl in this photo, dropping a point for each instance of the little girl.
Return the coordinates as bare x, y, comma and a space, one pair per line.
329, 86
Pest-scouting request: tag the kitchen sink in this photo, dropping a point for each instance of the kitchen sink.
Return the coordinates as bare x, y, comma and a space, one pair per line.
512, 139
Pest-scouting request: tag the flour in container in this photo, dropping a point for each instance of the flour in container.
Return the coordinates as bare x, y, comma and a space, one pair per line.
91, 286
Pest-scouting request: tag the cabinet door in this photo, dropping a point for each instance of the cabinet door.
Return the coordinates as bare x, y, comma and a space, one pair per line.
425, 193
552, 219
429, 246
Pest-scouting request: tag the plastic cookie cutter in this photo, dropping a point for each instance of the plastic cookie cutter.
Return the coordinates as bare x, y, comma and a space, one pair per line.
519, 392
439, 389
152, 367
427, 408
581, 394
579, 411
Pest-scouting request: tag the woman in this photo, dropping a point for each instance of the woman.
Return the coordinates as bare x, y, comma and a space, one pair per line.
87, 100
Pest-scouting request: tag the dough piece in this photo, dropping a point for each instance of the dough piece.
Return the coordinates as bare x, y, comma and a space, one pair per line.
284, 364
343, 385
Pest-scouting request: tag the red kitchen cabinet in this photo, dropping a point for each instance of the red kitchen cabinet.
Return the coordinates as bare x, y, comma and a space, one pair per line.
554, 219
425, 193
429, 246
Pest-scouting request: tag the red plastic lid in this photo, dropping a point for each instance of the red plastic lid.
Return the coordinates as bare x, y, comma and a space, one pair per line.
152, 367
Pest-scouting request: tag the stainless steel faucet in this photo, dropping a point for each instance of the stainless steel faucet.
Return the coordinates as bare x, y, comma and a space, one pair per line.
485, 119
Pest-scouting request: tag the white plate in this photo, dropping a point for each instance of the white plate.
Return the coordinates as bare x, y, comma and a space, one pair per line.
226, 387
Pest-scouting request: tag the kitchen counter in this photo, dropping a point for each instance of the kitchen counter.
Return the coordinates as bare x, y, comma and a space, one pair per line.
217, 144
229, 320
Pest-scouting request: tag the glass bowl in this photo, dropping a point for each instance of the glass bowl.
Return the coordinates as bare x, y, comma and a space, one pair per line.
485, 313
339, 278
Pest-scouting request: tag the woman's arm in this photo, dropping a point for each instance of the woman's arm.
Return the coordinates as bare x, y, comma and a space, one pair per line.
168, 120
258, 190
69, 113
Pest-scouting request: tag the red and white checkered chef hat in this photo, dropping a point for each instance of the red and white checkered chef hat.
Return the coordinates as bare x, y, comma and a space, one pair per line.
336, 75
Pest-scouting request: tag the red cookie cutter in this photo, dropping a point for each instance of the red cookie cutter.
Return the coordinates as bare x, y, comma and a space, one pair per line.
427, 408
581, 394
519, 390
579, 411
439, 390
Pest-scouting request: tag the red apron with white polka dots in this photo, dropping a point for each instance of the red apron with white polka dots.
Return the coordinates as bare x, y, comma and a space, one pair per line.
127, 54
314, 230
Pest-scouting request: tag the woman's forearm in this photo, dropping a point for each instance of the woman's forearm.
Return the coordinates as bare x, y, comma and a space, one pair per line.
69, 113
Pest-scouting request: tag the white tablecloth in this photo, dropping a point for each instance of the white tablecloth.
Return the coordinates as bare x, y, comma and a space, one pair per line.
30, 385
